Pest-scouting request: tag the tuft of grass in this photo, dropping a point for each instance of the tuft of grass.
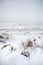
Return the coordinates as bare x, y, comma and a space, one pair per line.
29, 44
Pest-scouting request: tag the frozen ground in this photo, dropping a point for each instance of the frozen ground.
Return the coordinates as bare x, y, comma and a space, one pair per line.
21, 44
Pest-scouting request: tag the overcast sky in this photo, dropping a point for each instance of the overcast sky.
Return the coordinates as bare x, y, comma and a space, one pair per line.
30, 10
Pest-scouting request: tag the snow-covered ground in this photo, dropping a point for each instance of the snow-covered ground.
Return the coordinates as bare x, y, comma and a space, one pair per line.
21, 44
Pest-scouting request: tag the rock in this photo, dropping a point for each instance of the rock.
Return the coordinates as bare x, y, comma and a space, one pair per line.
25, 53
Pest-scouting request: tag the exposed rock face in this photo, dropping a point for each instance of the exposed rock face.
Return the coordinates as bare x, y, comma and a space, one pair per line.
4, 37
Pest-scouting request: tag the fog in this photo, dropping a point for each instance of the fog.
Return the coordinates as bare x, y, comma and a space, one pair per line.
30, 11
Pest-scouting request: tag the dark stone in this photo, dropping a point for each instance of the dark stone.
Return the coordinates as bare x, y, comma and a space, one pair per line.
26, 54
34, 40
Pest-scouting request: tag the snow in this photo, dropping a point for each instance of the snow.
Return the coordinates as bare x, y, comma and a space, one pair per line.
17, 36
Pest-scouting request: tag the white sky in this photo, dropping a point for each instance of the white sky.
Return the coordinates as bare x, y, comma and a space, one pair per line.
26, 10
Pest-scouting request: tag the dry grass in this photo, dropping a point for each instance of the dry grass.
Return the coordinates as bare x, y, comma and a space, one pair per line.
29, 44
